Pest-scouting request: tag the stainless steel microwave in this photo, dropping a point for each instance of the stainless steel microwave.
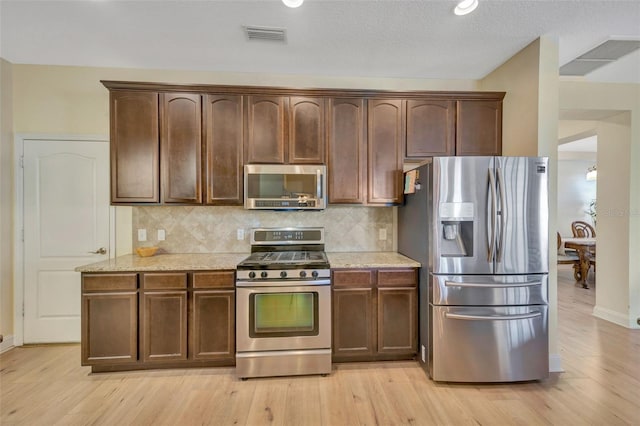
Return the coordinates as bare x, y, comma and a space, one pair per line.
285, 187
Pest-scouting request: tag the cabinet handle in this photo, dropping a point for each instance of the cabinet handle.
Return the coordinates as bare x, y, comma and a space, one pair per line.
101, 250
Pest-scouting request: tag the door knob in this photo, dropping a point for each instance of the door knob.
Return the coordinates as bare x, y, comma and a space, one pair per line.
101, 250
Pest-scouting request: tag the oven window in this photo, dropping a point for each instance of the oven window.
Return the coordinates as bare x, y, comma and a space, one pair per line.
283, 314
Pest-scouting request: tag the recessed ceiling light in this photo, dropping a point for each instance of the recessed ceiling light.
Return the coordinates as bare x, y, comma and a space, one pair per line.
464, 7
292, 3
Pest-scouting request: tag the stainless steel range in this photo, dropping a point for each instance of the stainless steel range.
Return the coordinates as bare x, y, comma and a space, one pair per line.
283, 304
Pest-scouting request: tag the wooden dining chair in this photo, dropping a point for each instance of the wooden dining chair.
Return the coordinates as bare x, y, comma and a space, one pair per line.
569, 258
582, 229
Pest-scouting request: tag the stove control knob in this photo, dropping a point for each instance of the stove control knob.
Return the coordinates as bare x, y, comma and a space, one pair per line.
314, 274
283, 274
252, 275
303, 274
263, 274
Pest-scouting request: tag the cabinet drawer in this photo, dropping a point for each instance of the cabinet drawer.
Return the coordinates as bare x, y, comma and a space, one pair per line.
353, 278
164, 281
397, 277
213, 279
115, 282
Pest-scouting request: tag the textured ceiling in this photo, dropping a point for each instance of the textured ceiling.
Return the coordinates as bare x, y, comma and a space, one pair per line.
384, 38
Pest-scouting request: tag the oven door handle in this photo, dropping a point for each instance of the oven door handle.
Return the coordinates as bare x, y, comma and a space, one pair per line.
283, 284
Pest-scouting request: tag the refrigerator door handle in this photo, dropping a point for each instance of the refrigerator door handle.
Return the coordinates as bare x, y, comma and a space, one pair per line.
492, 317
492, 205
510, 285
503, 215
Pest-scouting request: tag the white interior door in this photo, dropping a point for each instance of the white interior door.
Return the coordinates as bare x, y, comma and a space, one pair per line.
66, 224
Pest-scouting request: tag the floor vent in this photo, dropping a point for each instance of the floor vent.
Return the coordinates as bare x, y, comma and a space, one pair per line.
603, 54
265, 33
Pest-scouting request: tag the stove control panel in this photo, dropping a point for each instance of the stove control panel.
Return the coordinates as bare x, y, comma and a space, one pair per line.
283, 275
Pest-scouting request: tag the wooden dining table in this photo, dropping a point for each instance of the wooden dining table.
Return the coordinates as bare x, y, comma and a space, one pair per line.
586, 249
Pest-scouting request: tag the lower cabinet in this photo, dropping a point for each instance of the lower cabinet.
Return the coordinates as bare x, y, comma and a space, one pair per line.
160, 319
109, 319
163, 317
374, 314
212, 333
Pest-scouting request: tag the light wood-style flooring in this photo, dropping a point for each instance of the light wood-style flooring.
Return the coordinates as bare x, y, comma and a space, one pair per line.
45, 385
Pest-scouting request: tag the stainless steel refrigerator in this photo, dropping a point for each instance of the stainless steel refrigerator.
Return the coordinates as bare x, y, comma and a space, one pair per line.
479, 226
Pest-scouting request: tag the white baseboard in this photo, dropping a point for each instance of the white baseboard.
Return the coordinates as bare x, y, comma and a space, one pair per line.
6, 344
612, 316
555, 363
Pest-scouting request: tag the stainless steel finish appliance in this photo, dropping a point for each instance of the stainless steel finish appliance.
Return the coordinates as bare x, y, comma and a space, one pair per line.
283, 304
285, 187
479, 226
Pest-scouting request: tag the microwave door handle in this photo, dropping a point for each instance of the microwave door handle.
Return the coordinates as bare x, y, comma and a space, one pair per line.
319, 184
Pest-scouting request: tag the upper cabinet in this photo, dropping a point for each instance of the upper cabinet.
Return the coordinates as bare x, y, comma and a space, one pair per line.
135, 147
223, 137
187, 144
306, 130
386, 134
431, 128
181, 148
284, 130
346, 151
266, 129
479, 127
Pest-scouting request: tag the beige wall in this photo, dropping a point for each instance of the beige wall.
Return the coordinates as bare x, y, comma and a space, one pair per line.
6, 204
519, 78
612, 298
530, 128
622, 155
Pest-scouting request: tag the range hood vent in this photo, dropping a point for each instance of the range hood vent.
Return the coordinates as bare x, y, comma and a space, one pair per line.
265, 33
603, 54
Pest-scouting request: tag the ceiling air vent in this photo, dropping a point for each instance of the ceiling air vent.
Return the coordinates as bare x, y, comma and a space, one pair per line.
603, 54
265, 33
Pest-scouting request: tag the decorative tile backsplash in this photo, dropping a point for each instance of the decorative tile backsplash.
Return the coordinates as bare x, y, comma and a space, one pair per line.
203, 229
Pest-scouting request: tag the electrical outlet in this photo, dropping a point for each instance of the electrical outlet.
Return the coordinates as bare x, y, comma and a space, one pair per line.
382, 234
142, 235
240, 234
161, 235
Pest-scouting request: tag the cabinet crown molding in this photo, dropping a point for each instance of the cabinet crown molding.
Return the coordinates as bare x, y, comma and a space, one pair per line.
290, 91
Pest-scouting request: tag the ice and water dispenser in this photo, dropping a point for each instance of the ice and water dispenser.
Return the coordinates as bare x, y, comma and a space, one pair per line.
456, 229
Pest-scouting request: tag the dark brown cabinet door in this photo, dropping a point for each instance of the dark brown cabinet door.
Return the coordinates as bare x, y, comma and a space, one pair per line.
430, 128
347, 151
386, 131
479, 128
163, 326
353, 323
266, 129
223, 135
135, 147
397, 320
306, 130
109, 319
212, 325
109, 328
181, 148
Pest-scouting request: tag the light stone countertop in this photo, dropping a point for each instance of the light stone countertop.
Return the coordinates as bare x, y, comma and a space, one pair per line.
384, 259
219, 261
167, 262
